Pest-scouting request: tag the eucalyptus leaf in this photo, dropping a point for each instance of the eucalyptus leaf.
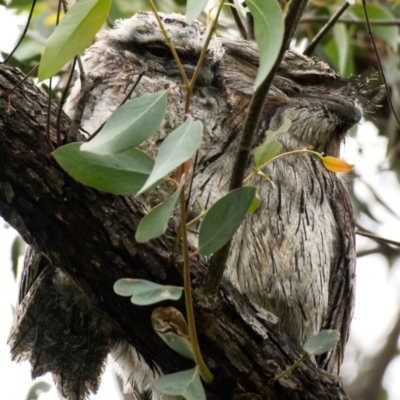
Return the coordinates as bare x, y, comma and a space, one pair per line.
255, 203
182, 346
171, 326
124, 173
155, 223
177, 148
194, 9
37, 389
268, 29
321, 342
375, 11
344, 49
224, 218
143, 292
129, 125
270, 147
17, 249
184, 383
72, 35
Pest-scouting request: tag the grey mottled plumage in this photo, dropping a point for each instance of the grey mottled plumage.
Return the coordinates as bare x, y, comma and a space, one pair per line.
295, 255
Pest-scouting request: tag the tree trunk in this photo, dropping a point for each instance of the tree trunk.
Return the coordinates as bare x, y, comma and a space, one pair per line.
90, 235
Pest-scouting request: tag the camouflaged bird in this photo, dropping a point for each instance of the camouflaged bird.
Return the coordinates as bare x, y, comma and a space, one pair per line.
295, 256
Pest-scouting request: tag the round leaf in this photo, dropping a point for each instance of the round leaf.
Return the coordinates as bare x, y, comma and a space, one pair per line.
184, 383
144, 292
171, 326
321, 342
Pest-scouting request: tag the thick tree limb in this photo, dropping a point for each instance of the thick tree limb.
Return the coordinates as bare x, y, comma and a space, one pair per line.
91, 235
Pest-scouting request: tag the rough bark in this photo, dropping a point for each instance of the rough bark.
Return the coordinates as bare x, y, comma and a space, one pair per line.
91, 235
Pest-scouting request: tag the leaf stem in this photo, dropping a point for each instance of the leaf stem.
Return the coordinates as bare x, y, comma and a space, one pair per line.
205, 46
292, 367
170, 45
204, 371
259, 168
194, 220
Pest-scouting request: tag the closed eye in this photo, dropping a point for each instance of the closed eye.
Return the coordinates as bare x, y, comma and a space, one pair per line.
159, 51
310, 78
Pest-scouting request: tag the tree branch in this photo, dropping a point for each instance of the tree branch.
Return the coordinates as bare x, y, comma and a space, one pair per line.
247, 137
90, 235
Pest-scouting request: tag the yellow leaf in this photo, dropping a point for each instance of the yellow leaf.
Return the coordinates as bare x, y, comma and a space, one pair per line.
335, 165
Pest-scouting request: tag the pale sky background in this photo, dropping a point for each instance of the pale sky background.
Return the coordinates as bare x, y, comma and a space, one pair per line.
378, 289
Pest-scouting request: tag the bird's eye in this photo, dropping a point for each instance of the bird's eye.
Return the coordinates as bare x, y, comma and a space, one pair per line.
159, 51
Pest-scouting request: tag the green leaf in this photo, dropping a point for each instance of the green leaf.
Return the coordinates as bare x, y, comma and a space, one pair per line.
388, 33
224, 218
17, 249
321, 342
268, 29
194, 9
172, 328
116, 12
271, 147
144, 292
344, 49
129, 125
177, 148
19, 4
124, 173
37, 389
72, 35
184, 383
255, 203
155, 223
181, 345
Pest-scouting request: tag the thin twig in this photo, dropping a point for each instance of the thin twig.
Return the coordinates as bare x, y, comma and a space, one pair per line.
378, 59
170, 45
219, 259
250, 26
24, 78
65, 6
377, 197
64, 97
204, 371
350, 21
377, 238
23, 33
48, 119
126, 98
86, 87
189, 86
50, 95
202, 57
313, 44
291, 367
238, 20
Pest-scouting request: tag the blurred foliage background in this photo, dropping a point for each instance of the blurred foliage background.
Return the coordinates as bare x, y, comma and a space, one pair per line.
374, 185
